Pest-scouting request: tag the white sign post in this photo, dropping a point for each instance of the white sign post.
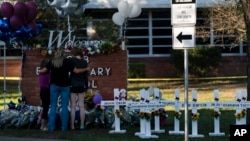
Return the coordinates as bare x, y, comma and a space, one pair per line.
183, 12
183, 20
183, 15
183, 37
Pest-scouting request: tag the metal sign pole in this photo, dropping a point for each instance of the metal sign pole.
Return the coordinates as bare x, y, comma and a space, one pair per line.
2, 43
186, 93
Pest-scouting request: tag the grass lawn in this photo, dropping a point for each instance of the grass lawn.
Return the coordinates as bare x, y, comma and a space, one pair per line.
226, 87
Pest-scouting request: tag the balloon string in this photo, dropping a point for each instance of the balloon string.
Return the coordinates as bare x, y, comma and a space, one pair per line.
69, 28
124, 29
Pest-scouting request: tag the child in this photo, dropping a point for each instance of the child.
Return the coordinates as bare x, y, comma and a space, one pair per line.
44, 80
79, 85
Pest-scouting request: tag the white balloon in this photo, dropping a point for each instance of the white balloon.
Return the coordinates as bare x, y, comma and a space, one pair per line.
69, 7
118, 19
114, 3
56, 3
79, 10
69, 4
60, 12
133, 2
135, 11
124, 8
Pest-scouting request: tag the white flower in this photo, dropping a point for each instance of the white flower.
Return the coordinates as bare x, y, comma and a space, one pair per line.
91, 52
89, 49
98, 51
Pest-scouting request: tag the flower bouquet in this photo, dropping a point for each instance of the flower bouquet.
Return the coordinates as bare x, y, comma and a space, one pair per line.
177, 114
118, 113
215, 113
145, 115
241, 114
195, 116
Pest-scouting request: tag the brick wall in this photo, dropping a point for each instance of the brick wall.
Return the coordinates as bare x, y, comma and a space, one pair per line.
108, 71
155, 68
13, 67
162, 68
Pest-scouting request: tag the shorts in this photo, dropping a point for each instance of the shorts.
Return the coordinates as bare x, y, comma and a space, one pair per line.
77, 90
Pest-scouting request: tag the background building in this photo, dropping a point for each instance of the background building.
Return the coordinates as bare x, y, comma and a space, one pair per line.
149, 36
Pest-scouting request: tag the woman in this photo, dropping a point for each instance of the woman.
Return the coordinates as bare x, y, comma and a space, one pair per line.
79, 85
60, 67
44, 81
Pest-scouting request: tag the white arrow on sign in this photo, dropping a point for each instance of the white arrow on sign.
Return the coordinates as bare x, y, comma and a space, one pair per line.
183, 37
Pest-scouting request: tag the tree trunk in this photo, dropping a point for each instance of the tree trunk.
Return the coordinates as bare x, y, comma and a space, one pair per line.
246, 10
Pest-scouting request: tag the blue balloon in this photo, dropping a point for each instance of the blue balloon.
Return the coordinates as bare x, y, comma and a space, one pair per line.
38, 29
1, 34
26, 29
4, 24
18, 32
39, 26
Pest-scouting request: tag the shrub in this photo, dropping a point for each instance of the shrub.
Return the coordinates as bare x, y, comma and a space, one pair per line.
202, 61
136, 70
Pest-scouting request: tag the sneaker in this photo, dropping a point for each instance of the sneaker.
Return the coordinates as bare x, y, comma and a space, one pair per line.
45, 129
82, 127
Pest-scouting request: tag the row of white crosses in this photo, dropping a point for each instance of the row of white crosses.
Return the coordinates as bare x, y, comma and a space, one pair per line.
147, 106
240, 104
144, 105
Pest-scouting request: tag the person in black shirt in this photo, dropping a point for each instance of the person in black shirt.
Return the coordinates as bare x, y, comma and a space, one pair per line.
79, 85
60, 68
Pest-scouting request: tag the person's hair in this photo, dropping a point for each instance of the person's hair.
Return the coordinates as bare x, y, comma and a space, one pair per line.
58, 58
44, 62
76, 51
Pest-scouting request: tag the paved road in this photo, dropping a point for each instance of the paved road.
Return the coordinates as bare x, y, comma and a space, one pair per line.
25, 139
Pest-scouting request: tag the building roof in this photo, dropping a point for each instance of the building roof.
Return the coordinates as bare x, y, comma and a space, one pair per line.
103, 4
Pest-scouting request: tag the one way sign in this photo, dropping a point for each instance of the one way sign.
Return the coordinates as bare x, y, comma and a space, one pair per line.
183, 37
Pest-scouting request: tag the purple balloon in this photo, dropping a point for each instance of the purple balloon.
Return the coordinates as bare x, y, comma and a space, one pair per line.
31, 4
20, 9
15, 22
33, 26
31, 15
97, 99
7, 9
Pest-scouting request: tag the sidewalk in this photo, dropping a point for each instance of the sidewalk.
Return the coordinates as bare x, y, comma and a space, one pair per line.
25, 139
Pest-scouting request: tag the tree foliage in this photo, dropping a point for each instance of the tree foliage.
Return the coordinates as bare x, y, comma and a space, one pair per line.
231, 17
246, 12
225, 19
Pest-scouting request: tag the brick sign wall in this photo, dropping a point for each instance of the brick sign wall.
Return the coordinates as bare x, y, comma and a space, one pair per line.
108, 71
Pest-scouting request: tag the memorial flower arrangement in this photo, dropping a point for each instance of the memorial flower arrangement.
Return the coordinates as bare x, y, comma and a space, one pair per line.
195, 116
88, 48
215, 113
240, 114
118, 113
145, 115
88, 96
100, 47
156, 113
177, 114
